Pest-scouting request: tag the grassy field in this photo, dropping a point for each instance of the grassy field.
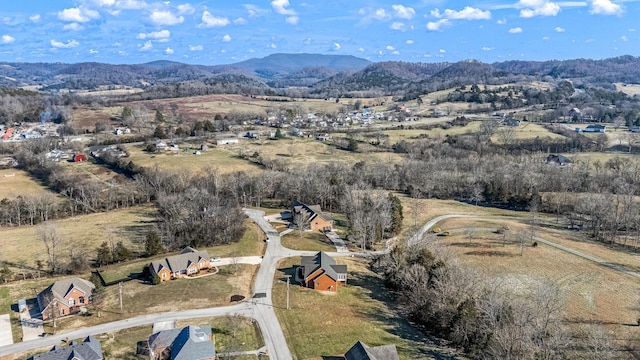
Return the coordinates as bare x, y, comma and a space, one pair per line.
21, 247
312, 241
325, 324
92, 170
398, 134
222, 159
529, 130
14, 182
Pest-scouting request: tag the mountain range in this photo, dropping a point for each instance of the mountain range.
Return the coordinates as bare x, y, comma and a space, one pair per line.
320, 73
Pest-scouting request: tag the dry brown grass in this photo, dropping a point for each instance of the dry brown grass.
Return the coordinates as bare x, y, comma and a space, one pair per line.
21, 246
94, 171
14, 182
224, 160
312, 241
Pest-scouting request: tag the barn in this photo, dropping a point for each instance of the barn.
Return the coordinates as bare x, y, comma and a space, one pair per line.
79, 158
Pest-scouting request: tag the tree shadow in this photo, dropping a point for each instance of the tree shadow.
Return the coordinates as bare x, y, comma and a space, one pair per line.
292, 272
422, 344
490, 253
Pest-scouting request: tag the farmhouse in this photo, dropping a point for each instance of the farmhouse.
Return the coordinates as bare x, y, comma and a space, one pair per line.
64, 297
188, 343
89, 349
511, 122
361, 351
558, 160
79, 158
313, 215
320, 272
188, 262
595, 128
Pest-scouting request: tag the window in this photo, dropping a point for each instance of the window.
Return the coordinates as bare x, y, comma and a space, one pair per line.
81, 299
61, 311
72, 302
164, 275
192, 270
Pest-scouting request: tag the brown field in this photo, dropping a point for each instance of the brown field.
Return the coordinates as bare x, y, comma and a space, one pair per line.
21, 247
225, 160
409, 135
87, 117
89, 169
529, 130
629, 89
14, 182
327, 324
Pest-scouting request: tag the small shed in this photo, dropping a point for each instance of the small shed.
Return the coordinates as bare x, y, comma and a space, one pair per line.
79, 158
204, 147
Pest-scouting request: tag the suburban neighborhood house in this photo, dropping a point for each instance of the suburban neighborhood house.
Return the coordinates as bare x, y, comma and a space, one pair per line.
89, 349
188, 343
188, 262
65, 297
320, 272
311, 215
361, 351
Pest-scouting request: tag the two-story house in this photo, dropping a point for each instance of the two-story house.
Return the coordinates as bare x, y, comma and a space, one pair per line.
64, 297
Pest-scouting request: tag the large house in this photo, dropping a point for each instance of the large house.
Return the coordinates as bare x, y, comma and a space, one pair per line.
188, 262
89, 349
361, 351
64, 297
320, 272
312, 215
188, 343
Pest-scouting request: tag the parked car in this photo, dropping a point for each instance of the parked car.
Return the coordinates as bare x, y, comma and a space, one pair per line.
215, 259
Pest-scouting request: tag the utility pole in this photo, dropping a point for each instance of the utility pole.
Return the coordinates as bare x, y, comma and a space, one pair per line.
288, 278
54, 307
120, 292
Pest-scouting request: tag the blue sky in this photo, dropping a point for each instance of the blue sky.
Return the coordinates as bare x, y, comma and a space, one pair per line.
221, 32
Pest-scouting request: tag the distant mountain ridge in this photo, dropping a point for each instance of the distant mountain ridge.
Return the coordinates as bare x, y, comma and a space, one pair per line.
337, 75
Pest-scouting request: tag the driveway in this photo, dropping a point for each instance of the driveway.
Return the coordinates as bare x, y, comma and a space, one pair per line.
6, 338
341, 247
31, 321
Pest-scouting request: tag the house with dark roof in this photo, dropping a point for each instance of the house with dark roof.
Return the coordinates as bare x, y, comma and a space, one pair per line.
64, 297
189, 343
313, 216
361, 351
320, 272
89, 349
595, 128
190, 261
558, 160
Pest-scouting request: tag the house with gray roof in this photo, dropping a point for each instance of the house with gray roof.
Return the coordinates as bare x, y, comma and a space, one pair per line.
312, 216
320, 272
64, 297
189, 343
190, 261
361, 351
89, 349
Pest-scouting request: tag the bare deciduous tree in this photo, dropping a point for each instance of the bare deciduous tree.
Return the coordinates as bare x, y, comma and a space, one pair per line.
48, 235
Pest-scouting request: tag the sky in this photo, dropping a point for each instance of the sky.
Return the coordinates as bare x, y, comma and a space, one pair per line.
223, 32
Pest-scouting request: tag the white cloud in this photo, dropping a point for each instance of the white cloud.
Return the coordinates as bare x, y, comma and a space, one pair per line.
186, 9
165, 18
209, 20
487, 48
409, 42
606, 7
377, 14
102, 3
35, 17
168, 51
280, 6
68, 44
292, 20
531, 8
91, 51
468, 13
402, 12
226, 38
7, 39
273, 46
515, 30
240, 21
147, 46
162, 34
501, 21
438, 25
559, 29
396, 52
307, 41
79, 14
361, 49
545, 38
73, 27
442, 51
624, 38
336, 46
390, 48
130, 4
396, 25
196, 48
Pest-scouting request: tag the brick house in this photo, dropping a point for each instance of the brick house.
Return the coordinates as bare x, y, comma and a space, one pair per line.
188, 343
362, 351
190, 261
313, 216
320, 272
65, 297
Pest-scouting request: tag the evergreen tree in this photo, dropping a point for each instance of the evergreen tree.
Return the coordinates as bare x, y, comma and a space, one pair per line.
121, 252
159, 117
396, 216
104, 255
153, 244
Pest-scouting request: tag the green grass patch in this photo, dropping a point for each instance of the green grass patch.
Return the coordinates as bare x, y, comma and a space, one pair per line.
251, 244
325, 324
122, 271
313, 241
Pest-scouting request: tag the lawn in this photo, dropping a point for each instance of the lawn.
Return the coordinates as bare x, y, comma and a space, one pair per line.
529, 130
251, 244
399, 134
14, 182
312, 241
224, 160
21, 246
325, 324
90, 169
